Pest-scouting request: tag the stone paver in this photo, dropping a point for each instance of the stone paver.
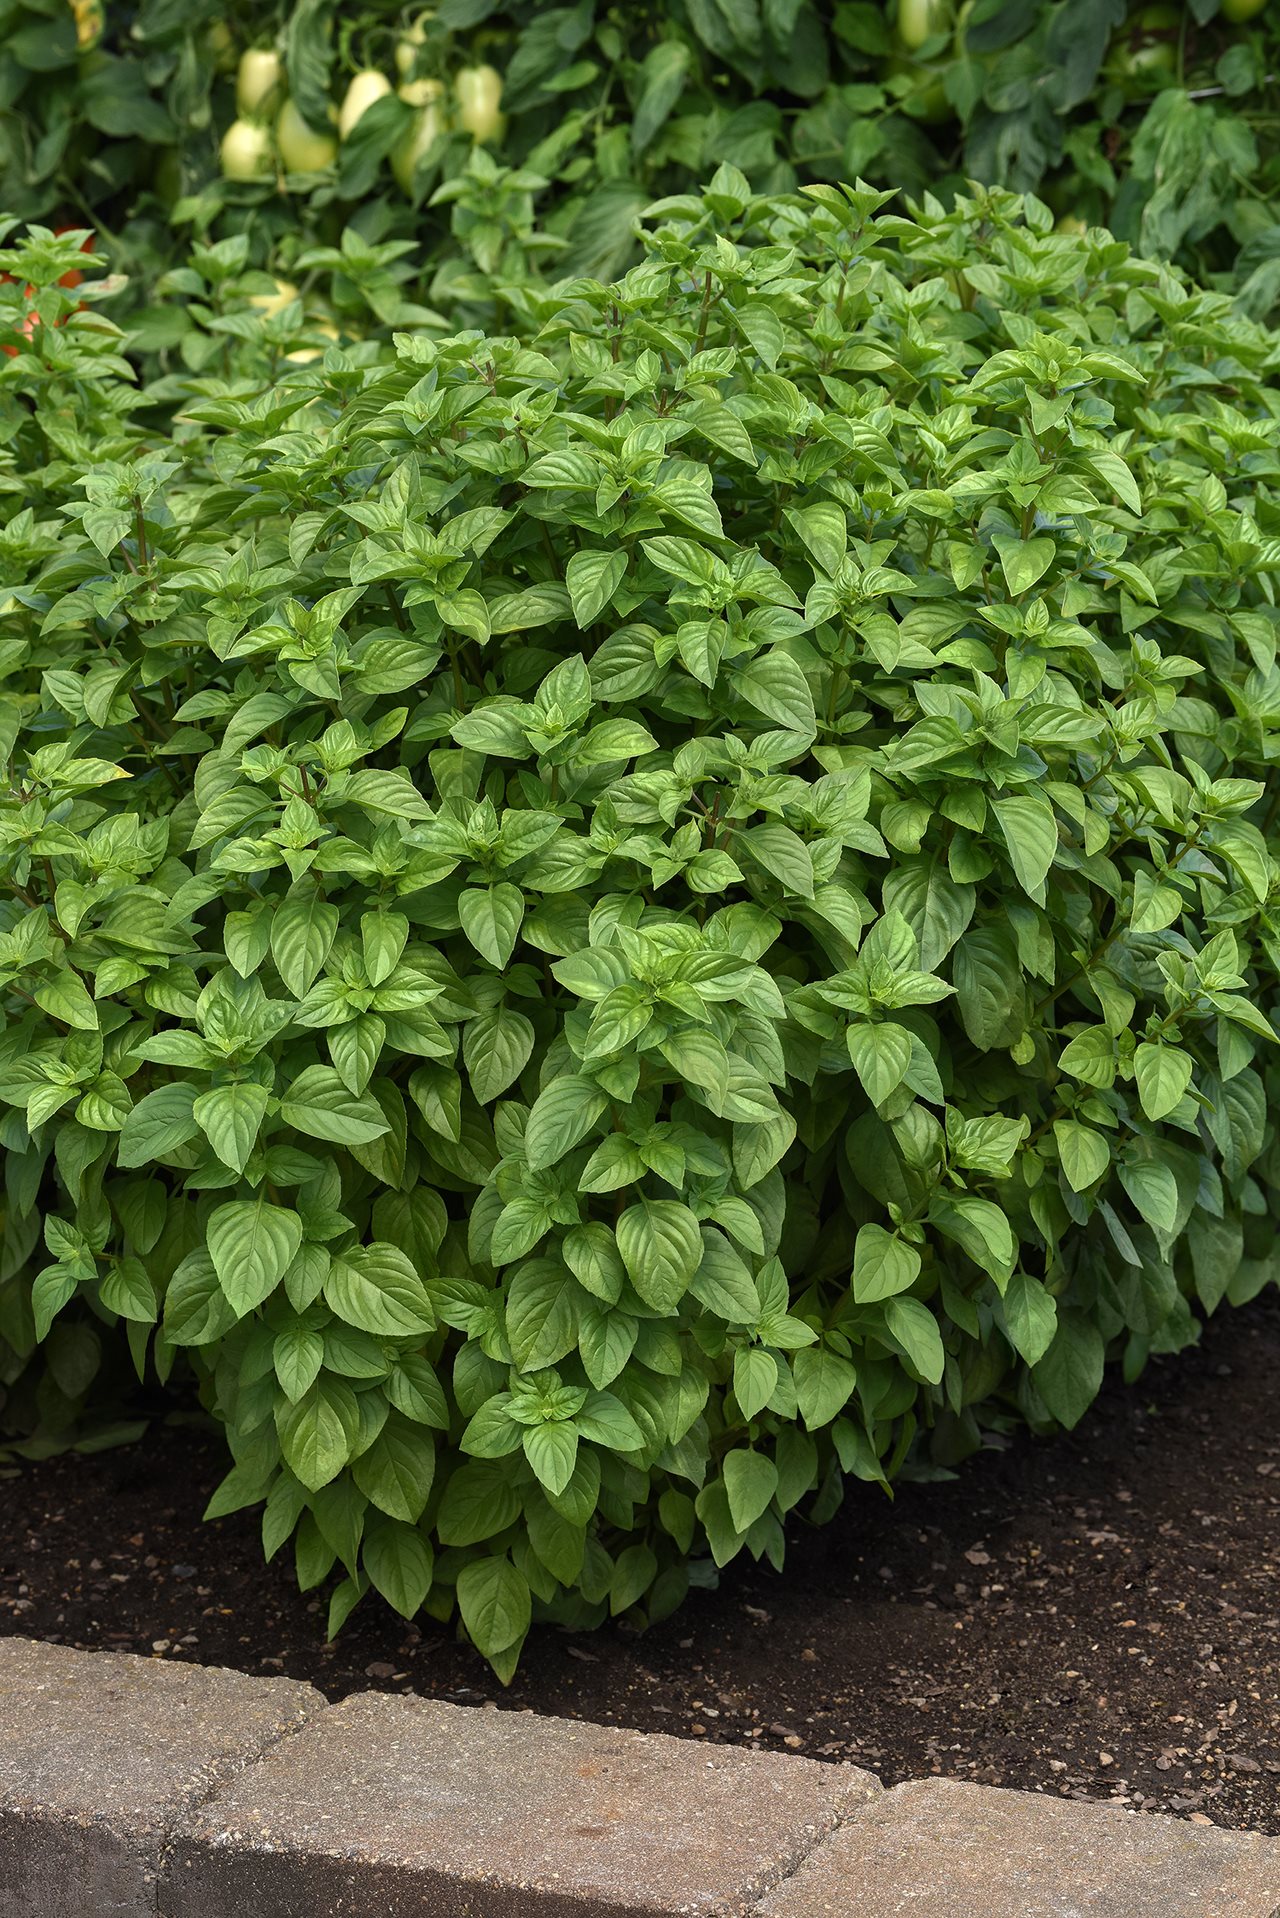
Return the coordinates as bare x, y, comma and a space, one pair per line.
100, 1754
404, 1808
940, 1849
131, 1788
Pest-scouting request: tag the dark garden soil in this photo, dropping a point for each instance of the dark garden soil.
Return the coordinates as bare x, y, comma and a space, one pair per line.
1096, 1616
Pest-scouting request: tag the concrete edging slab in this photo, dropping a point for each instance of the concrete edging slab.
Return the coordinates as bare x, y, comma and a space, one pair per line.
141, 1789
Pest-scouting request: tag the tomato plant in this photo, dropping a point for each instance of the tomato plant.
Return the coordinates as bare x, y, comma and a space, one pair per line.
282, 119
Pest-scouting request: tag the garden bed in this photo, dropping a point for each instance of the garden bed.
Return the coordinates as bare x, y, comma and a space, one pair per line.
1096, 1617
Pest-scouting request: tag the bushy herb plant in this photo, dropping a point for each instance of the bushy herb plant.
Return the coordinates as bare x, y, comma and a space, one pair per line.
605, 927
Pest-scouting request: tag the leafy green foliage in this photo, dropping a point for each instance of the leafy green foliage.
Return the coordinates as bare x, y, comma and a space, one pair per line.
606, 926
1156, 121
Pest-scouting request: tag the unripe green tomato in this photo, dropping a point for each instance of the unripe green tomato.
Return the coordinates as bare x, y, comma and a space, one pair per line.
366, 87
1238, 11
410, 44
920, 20
927, 101
302, 150
1146, 48
425, 129
421, 93
478, 91
90, 22
269, 304
221, 47
167, 178
304, 355
245, 152
258, 81
1071, 223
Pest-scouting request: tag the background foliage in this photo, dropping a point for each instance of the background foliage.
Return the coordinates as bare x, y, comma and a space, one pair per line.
610, 923
1158, 121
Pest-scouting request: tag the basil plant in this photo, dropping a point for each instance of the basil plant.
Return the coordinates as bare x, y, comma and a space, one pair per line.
607, 928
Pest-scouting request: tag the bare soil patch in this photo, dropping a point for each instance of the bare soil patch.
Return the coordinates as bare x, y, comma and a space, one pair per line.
1096, 1616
